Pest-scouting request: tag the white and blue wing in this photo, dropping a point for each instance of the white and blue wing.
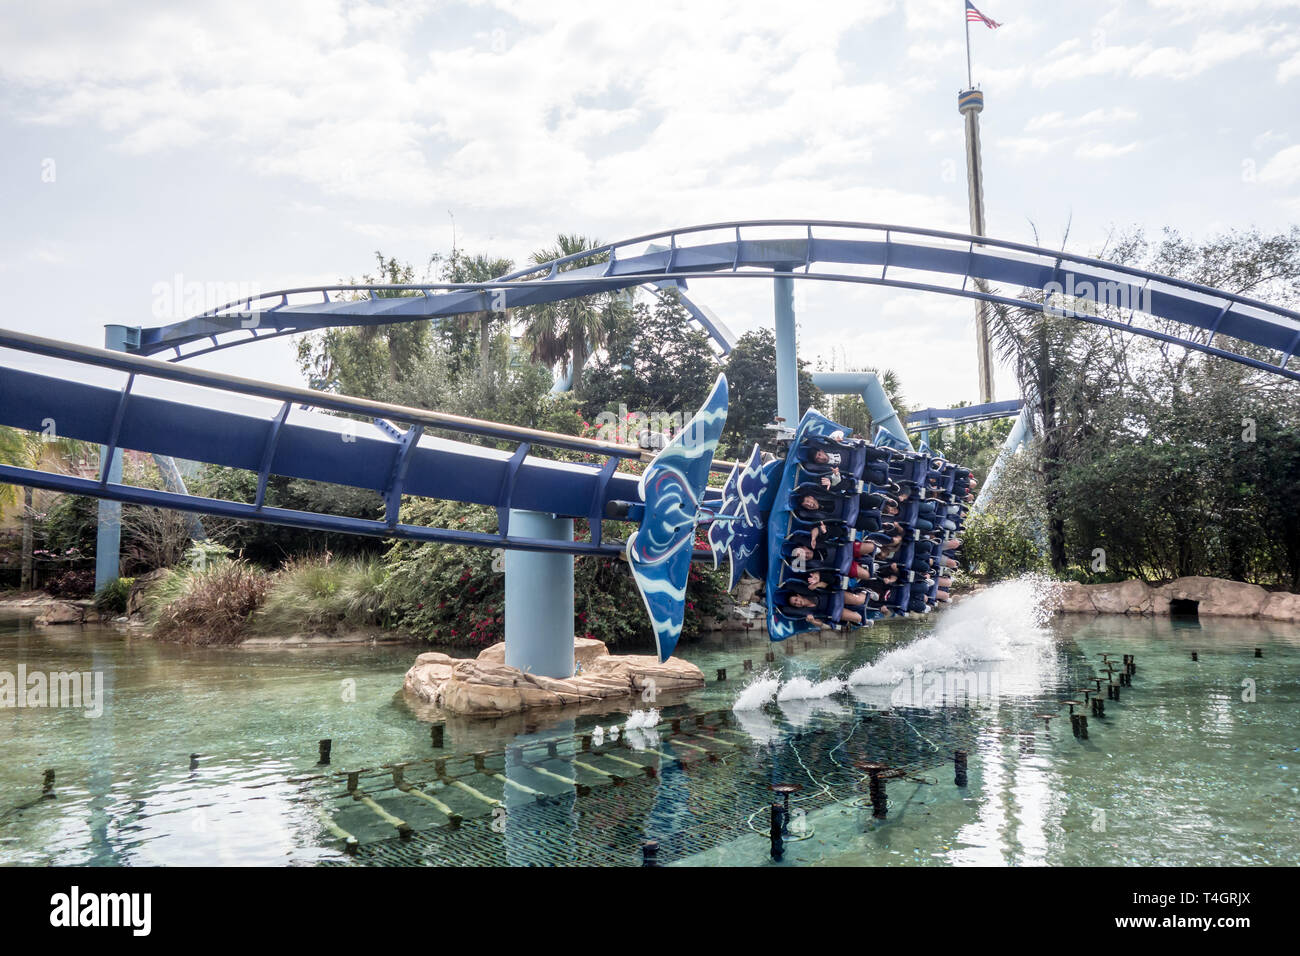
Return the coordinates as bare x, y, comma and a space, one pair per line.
659, 551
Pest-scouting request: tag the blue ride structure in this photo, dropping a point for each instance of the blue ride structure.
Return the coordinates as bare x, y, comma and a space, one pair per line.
123, 399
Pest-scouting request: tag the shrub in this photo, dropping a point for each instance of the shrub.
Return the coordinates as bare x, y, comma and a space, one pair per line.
317, 594
999, 546
72, 584
456, 595
208, 605
111, 599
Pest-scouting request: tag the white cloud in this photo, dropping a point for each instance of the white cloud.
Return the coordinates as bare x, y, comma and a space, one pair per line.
1283, 169
1097, 117
1104, 150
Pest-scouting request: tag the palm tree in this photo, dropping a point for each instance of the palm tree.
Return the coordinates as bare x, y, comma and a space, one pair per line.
572, 329
24, 449
478, 268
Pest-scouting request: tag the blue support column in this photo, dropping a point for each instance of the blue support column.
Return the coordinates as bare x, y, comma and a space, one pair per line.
539, 598
1020, 434
787, 355
108, 537
866, 384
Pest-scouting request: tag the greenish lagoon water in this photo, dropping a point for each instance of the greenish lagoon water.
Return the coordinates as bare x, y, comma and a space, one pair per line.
1198, 763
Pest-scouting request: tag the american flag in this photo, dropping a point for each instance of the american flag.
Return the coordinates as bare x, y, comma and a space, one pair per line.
974, 15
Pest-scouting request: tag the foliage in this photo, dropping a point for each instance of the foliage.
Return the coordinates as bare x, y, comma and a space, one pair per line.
974, 446
657, 364
751, 380
455, 595
70, 524
1170, 461
999, 546
72, 584
445, 593
208, 605
360, 360
111, 599
268, 545
315, 594
571, 330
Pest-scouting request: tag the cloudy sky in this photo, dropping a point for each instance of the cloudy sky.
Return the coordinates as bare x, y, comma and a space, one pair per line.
259, 144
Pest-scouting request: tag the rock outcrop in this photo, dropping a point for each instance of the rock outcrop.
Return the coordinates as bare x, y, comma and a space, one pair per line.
1214, 597
63, 612
486, 687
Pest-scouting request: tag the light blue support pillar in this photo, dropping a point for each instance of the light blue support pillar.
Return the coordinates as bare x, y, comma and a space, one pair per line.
539, 599
1020, 433
868, 385
787, 356
108, 537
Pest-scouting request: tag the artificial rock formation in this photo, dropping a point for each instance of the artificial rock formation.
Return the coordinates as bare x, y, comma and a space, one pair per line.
1215, 597
486, 687
63, 612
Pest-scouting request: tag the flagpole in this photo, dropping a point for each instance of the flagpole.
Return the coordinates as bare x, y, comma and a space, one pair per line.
970, 84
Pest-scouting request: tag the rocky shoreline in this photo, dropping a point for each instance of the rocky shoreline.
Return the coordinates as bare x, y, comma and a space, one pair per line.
485, 686
1212, 597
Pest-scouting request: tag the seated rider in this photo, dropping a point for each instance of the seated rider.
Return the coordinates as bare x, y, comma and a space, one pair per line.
814, 611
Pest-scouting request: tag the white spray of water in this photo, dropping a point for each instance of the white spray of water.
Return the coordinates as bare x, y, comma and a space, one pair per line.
642, 739
757, 692
985, 627
800, 713
801, 688
642, 719
762, 728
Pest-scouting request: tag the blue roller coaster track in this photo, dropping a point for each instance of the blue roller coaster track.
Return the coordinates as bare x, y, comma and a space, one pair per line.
279, 430
1132, 300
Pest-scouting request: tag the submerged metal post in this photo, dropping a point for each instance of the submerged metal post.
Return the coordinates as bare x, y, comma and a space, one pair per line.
47, 784
325, 747
436, 735
775, 831
959, 768
650, 853
539, 599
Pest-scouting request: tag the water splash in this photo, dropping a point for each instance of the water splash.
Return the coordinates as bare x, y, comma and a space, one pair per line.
801, 688
757, 692
800, 713
988, 626
642, 719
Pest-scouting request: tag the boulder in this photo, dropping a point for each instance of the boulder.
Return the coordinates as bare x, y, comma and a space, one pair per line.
585, 650
484, 687
427, 674
62, 612
1215, 596
1281, 606
1076, 598
640, 669
1125, 597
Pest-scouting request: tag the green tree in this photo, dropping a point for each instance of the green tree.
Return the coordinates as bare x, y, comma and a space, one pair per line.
365, 361
24, 449
656, 362
461, 267
751, 379
572, 329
